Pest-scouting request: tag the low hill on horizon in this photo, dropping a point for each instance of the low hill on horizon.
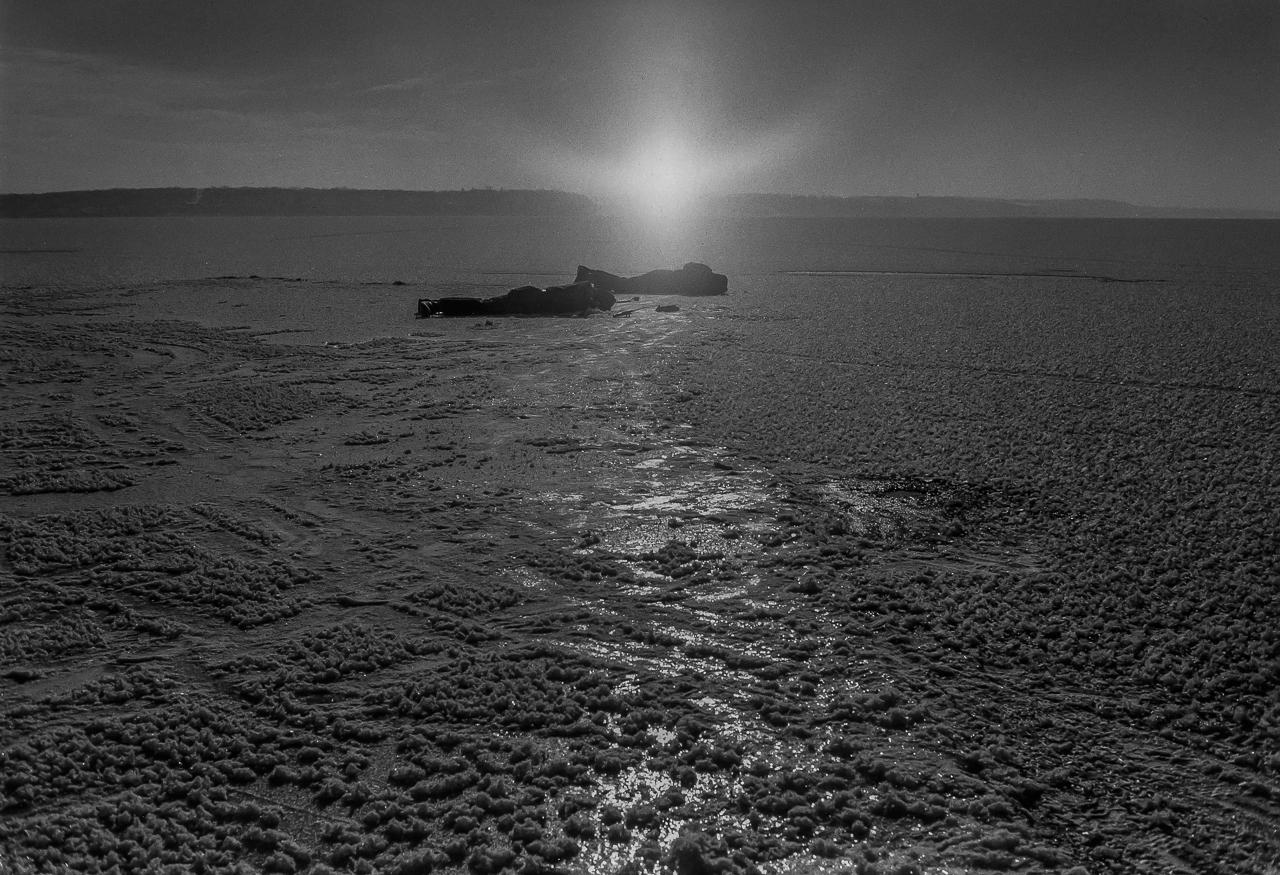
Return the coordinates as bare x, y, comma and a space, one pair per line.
936, 207
291, 202
144, 202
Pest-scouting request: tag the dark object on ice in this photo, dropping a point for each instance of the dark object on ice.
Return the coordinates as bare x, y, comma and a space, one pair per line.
692, 279
668, 308
575, 298
22, 675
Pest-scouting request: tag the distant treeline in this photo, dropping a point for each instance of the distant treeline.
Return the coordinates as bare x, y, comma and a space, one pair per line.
290, 202
524, 202
959, 207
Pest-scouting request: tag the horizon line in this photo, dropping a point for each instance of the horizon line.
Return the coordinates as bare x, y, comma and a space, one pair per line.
598, 200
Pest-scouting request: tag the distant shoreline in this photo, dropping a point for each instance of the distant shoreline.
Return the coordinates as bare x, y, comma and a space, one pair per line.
155, 202
176, 202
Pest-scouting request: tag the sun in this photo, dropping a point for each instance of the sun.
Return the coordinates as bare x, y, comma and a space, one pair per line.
663, 180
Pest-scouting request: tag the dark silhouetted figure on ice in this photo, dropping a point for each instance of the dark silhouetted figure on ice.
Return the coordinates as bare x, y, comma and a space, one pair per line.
531, 300
592, 290
692, 279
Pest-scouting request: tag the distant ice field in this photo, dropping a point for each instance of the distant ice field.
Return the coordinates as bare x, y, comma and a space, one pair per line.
1177, 303
422, 249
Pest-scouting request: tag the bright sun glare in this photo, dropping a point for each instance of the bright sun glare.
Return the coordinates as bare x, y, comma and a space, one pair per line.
663, 180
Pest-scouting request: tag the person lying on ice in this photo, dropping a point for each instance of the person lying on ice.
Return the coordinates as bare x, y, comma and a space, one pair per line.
692, 279
592, 290
574, 298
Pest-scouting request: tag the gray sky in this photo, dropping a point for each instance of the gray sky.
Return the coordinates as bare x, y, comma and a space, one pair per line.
1158, 103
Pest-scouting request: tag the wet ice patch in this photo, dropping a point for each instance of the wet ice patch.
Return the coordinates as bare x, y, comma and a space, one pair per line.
689, 480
